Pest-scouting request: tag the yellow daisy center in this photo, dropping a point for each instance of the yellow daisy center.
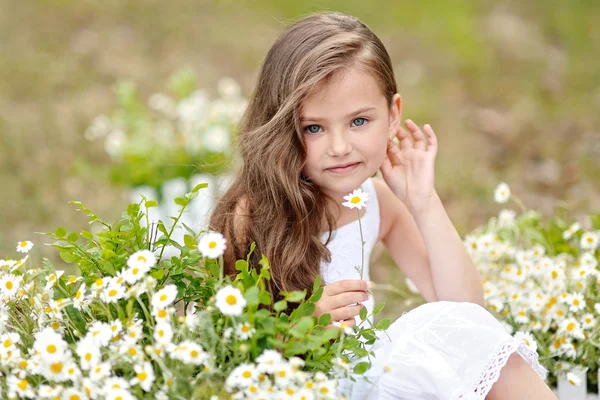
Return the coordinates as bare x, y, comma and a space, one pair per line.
231, 300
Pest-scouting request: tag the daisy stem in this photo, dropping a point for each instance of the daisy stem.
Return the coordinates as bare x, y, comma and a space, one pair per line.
519, 203
171, 233
146, 313
362, 246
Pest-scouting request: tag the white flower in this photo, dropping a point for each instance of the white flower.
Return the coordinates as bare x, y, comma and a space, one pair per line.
344, 327
229, 301
528, 339
72, 393
116, 382
19, 387
245, 331
113, 293
228, 88
268, 360
88, 352
212, 245
9, 285
573, 379
327, 388
100, 372
506, 218
589, 241
192, 353
163, 334
162, 103
55, 370
8, 342
118, 394
49, 345
576, 302
24, 246
502, 193
242, 376
356, 199
588, 321
143, 259
144, 376
100, 333
571, 327
568, 234
164, 296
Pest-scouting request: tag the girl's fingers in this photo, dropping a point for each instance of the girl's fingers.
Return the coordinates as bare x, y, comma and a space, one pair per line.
349, 312
404, 139
431, 138
417, 134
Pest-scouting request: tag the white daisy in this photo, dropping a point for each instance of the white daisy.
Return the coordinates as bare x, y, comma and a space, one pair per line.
113, 293
344, 327
18, 387
571, 230
573, 379
100, 333
230, 301
506, 218
571, 327
589, 241
245, 331
100, 372
9, 285
212, 245
143, 259
72, 393
588, 321
24, 246
89, 353
144, 376
576, 302
356, 199
49, 345
527, 338
163, 334
268, 361
502, 193
118, 394
164, 297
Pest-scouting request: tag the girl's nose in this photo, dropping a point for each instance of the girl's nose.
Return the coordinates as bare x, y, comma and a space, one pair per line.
339, 144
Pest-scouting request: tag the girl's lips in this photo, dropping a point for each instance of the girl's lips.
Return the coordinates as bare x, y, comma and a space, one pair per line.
349, 168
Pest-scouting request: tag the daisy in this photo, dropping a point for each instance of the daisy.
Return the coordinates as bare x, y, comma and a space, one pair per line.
143, 259
193, 353
118, 394
9, 285
242, 376
19, 387
245, 331
72, 393
24, 246
144, 376
163, 334
528, 339
588, 321
164, 297
573, 379
212, 245
571, 327
576, 302
568, 234
589, 241
49, 345
88, 352
8, 342
502, 193
506, 218
343, 325
113, 293
356, 199
100, 333
229, 301
327, 388
100, 372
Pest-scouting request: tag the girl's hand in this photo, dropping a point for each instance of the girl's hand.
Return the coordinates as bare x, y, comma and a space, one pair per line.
408, 168
339, 300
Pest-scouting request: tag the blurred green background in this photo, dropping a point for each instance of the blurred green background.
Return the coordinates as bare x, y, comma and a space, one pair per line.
512, 89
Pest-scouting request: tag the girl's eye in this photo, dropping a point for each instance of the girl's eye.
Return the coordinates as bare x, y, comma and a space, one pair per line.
359, 121
312, 128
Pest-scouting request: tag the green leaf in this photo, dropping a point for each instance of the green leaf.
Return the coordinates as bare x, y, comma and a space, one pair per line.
307, 309
199, 186
316, 296
325, 319
158, 274
384, 324
317, 283
302, 327
363, 313
265, 298
280, 305
181, 201
241, 265
378, 308
61, 231
190, 241
252, 296
295, 296
361, 367
87, 235
151, 203
73, 236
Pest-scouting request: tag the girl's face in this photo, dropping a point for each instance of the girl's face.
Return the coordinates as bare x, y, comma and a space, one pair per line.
347, 121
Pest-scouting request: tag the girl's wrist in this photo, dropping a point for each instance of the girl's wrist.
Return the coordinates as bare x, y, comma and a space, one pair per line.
423, 207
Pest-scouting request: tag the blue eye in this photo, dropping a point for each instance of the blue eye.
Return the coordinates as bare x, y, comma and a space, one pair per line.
312, 128
359, 121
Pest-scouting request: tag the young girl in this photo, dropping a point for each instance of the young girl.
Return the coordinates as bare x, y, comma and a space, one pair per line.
321, 123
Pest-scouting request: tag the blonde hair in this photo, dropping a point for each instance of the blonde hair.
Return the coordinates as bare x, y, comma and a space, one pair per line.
285, 211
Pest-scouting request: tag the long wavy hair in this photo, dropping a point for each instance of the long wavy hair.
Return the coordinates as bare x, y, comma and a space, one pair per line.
284, 211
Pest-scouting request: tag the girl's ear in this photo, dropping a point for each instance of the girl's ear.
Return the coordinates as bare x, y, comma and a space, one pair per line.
395, 115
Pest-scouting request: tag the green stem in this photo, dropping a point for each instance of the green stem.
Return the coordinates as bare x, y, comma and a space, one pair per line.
170, 233
362, 246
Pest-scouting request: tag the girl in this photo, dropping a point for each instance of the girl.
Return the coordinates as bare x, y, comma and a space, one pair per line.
320, 124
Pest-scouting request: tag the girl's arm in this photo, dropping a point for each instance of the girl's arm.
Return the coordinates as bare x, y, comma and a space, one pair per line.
428, 249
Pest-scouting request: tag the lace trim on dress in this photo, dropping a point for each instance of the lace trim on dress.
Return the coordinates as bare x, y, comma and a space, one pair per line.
496, 362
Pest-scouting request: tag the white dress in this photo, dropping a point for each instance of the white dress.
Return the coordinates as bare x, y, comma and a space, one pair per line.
440, 350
